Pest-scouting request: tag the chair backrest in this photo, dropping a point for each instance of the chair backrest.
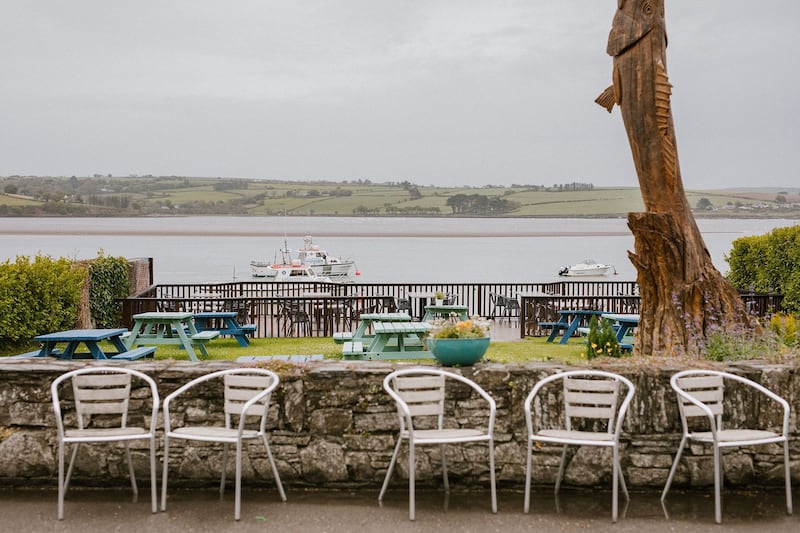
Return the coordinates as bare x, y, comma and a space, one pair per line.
420, 392
100, 391
588, 394
707, 389
242, 386
589, 397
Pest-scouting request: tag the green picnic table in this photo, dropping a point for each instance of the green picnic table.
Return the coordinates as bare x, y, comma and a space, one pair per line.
392, 340
444, 311
365, 321
159, 328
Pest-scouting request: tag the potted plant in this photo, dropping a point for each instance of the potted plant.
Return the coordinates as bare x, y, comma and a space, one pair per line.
438, 298
459, 342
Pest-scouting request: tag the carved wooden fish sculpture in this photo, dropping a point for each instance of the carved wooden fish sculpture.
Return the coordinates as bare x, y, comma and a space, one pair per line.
638, 43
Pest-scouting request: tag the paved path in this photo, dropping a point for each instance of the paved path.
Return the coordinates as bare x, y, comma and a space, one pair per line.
96, 511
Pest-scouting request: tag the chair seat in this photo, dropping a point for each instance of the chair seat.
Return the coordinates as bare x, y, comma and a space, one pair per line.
582, 436
737, 435
212, 432
110, 433
439, 436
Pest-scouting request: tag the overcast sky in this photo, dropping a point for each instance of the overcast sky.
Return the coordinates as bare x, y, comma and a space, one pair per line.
441, 92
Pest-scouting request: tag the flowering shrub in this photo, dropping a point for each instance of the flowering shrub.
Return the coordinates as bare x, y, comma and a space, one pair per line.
786, 328
453, 328
602, 340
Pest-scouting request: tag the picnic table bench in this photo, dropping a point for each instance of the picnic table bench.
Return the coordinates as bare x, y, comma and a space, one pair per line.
224, 323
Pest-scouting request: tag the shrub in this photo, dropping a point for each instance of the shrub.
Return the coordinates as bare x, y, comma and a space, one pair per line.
601, 340
108, 280
768, 263
38, 297
786, 328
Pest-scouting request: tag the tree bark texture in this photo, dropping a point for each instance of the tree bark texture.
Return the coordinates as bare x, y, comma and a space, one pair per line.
684, 297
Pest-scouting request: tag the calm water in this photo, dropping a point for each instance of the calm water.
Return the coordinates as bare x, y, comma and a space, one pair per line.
213, 249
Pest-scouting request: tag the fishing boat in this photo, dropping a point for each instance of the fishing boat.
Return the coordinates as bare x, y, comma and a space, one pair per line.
309, 263
587, 267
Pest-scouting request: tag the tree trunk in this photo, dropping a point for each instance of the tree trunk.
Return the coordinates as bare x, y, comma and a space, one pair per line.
683, 296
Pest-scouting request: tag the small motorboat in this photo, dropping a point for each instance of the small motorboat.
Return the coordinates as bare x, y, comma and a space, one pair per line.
587, 267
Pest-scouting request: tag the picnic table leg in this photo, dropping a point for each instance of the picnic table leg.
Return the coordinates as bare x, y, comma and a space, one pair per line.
69, 350
95, 350
570, 330
188, 341
553, 334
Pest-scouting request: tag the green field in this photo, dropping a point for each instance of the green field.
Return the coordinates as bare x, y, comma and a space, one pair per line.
107, 196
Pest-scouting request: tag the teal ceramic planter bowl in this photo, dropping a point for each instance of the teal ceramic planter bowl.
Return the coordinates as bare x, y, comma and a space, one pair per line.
461, 352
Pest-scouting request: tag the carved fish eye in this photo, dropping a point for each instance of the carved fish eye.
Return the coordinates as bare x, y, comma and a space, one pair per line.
647, 9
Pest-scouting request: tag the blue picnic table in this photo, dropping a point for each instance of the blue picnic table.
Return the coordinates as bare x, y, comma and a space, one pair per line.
569, 320
626, 322
91, 339
226, 323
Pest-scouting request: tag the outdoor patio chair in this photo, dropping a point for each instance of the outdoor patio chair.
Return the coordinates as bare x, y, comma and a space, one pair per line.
420, 397
590, 397
98, 412
247, 395
701, 395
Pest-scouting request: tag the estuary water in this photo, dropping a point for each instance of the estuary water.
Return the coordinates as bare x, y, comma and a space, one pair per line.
436, 250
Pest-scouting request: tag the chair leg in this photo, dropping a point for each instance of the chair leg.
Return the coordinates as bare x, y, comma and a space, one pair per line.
492, 480
673, 469
164, 474
717, 485
130, 468
411, 477
61, 488
615, 484
391, 468
444, 470
153, 478
561, 468
238, 506
788, 477
274, 468
224, 467
527, 504
71, 464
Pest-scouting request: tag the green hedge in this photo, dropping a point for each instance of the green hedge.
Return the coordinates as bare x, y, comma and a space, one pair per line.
38, 296
44, 294
769, 263
108, 279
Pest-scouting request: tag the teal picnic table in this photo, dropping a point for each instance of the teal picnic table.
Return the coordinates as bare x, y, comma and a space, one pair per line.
225, 323
626, 322
91, 338
365, 321
396, 340
176, 328
444, 311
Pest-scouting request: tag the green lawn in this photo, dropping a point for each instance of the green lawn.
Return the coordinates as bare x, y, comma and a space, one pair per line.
533, 349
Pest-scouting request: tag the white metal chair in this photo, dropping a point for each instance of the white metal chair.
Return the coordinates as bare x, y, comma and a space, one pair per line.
101, 395
587, 394
247, 394
420, 394
701, 395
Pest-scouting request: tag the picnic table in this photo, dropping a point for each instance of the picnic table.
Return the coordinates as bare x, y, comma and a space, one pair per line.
626, 322
569, 320
91, 339
226, 323
159, 328
434, 311
365, 325
392, 340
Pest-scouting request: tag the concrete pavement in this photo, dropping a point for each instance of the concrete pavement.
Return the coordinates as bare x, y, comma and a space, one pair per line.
96, 510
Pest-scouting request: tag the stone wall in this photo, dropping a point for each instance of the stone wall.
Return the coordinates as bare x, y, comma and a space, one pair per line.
334, 426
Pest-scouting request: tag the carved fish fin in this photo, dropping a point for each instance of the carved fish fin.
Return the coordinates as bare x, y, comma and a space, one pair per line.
607, 99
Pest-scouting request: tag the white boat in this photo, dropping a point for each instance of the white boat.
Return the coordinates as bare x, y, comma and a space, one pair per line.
587, 267
310, 263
